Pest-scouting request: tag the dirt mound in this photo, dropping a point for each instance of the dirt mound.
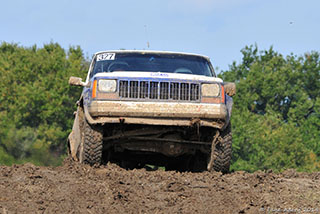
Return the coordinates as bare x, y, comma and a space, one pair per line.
77, 188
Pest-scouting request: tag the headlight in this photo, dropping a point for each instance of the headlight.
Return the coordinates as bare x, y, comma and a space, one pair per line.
107, 85
210, 90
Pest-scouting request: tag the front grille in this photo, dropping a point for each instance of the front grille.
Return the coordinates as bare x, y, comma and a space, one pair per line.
155, 90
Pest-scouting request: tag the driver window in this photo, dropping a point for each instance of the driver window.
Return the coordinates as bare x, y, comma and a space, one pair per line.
94, 69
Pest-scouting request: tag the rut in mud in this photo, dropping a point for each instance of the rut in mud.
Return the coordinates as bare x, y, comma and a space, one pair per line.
78, 188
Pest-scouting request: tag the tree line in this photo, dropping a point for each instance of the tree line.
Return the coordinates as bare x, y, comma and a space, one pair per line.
36, 102
276, 115
275, 120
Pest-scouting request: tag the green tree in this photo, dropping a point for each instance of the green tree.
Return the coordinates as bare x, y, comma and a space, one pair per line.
276, 118
36, 102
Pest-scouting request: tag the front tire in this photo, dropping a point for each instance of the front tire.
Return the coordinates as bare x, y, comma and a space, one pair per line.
91, 144
223, 151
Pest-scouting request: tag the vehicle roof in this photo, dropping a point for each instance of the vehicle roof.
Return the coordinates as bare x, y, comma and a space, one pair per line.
152, 52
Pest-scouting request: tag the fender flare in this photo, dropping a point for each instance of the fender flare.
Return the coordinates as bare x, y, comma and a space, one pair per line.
74, 137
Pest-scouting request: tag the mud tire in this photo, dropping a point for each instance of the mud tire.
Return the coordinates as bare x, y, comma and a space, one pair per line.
223, 151
91, 144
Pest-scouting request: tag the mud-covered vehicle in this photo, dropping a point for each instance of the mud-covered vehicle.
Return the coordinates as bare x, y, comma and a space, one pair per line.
153, 107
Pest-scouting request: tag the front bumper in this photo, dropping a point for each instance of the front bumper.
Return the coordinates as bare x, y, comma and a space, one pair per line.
157, 113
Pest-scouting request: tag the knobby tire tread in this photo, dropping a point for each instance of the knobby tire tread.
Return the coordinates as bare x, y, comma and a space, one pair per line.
223, 151
92, 144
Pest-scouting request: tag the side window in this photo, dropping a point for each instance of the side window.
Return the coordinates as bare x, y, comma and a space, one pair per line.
212, 70
93, 68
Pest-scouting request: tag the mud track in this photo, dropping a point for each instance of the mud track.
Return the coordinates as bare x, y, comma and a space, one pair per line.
77, 188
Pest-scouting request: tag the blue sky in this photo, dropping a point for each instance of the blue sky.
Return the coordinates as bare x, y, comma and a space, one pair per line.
216, 28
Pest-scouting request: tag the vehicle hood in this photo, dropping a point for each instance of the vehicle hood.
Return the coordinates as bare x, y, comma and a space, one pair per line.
158, 75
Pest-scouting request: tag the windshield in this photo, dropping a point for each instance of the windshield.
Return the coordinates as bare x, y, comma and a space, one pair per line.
152, 62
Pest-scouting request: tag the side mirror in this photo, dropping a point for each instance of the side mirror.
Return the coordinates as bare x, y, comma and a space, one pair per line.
76, 81
230, 88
